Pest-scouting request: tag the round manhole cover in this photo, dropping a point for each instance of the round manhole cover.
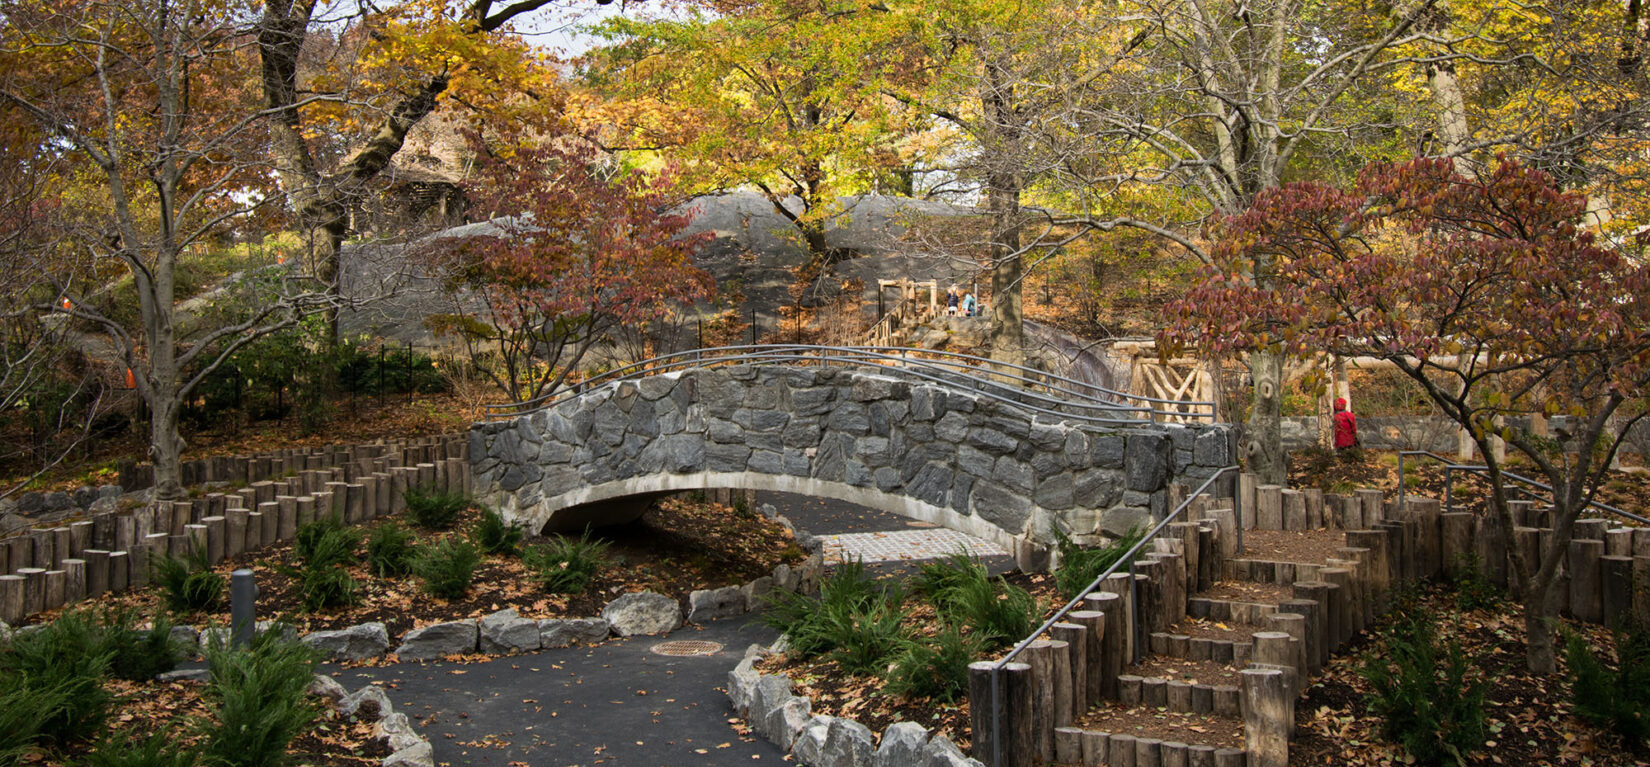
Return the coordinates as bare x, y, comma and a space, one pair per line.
686, 647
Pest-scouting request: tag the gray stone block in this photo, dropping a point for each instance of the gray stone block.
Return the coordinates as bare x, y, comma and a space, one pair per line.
710, 604
563, 632
434, 641
420, 755
506, 632
1150, 457
367, 640
369, 703
325, 687
810, 743
642, 612
848, 744
742, 681
786, 721
941, 752
902, 745
396, 732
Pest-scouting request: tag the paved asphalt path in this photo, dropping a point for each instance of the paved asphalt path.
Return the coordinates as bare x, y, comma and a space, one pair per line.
617, 703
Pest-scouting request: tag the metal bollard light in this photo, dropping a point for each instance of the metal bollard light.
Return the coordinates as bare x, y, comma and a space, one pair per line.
243, 598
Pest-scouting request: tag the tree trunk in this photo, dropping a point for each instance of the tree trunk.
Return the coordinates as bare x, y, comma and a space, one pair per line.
1263, 438
1539, 654
1003, 185
165, 443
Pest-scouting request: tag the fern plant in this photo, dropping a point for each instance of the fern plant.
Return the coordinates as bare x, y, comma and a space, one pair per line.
63, 663
390, 550
188, 582
936, 670
259, 701
138, 654
434, 510
566, 565
1079, 566
1421, 692
323, 549
447, 567
1617, 699
493, 535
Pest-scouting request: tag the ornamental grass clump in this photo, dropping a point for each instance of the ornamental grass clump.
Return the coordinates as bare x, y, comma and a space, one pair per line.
1079, 566
566, 565
259, 701
188, 582
447, 567
390, 550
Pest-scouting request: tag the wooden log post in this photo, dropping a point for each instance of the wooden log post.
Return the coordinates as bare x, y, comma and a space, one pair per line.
1068, 745
1641, 587
234, 539
1492, 543
1268, 716
1094, 666
1314, 509
34, 589
1370, 506
286, 517
12, 599
1615, 589
120, 573
55, 581
97, 572
1455, 542
1113, 647
1357, 590
1312, 640
1294, 624
1426, 513
215, 530
1277, 649
74, 580
1377, 572
1096, 748
1249, 492
137, 563
80, 534
1269, 507
1001, 725
1585, 586
1528, 539
1294, 510
1324, 594
1039, 655
1060, 682
1076, 637
1187, 534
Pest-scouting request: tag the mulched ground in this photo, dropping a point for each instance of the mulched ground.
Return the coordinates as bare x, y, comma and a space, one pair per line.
1147, 722
150, 707
1182, 670
1529, 716
1248, 591
861, 697
1309, 546
1202, 628
676, 547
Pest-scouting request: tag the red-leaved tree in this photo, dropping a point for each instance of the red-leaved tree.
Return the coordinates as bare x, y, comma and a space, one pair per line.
1487, 291
575, 250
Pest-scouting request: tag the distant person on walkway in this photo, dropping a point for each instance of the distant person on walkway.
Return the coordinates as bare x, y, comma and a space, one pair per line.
1346, 426
969, 305
953, 299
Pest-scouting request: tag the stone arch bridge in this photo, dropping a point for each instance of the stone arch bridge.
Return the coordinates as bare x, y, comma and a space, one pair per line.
1002, 456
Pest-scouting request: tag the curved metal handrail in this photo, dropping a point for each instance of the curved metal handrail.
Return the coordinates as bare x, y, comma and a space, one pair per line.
1128, 558
935, 366
1451, 466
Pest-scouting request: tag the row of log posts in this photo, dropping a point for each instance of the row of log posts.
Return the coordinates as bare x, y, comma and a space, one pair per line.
54, 567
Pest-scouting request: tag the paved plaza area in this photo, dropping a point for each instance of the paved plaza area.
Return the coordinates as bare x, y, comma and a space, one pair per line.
930, 543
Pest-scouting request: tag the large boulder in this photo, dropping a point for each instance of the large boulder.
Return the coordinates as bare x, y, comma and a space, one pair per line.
505, 632
369, 703
902, 745
742, 680
563, 632
848, 744
941, 752
368, 640
785, 722
642, 612
809, 747
710, 604
440, 639
421, 755
397, 732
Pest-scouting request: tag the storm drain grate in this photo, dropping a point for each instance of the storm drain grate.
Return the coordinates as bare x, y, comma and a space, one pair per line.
686, 647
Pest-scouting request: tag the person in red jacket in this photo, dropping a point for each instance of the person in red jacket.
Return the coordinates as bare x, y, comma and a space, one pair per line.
1346, 426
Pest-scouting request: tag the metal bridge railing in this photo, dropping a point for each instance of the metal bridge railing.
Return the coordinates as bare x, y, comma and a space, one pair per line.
1025, 387
1128, 559
1451, 466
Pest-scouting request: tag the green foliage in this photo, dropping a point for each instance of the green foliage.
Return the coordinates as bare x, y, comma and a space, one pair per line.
188, 582
23, 709
323, 548
390, 550
937, 669
158, 750
447, 567
1473, 589
495, 536
138, 654
854, 621
1616, 699
940, 577
63, 663
1079, 566
1420, 690
435, 510
258, 698
999, 612
565, 565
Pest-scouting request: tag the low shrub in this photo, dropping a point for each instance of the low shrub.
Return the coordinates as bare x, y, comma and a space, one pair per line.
1079, 566
188, 582
1616, 699
324, 547
854, 620
390, 550
24, 708
566, 565
158, 750
1421, 692
65, 663
495, 536
447, 567
937, 669
138, 654
258, 701
999, 612
435, 510
1473, 588
938, 578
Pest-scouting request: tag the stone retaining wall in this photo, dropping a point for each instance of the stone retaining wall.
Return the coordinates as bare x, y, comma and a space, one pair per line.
924, 451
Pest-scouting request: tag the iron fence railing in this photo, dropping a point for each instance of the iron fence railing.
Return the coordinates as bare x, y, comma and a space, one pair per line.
1451, 466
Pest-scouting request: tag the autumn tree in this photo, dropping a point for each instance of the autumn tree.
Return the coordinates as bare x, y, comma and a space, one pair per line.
579, 250
1487, 291
153, 121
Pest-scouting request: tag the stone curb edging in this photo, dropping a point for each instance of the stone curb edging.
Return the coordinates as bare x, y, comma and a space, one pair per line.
407, 747
816, 740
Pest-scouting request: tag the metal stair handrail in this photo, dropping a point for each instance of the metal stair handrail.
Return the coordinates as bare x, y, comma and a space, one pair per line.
1452, 465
